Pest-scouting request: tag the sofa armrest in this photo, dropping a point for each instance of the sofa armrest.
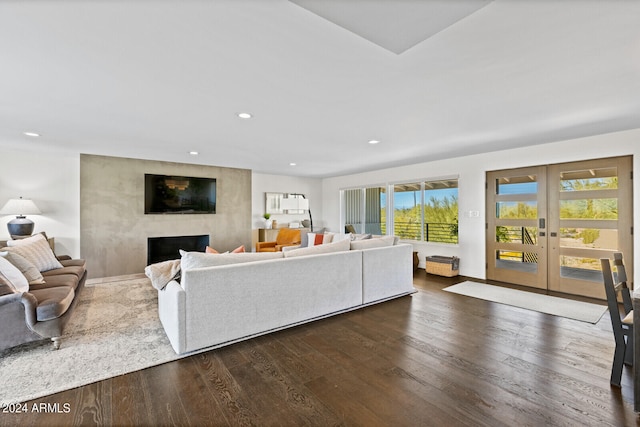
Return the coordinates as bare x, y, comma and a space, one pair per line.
172, 314
30, 304
10, 298
24, 298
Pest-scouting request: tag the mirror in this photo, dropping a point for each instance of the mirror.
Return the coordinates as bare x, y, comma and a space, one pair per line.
274, 203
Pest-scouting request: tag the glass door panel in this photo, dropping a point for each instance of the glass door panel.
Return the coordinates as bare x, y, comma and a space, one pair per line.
590, 218
516, 231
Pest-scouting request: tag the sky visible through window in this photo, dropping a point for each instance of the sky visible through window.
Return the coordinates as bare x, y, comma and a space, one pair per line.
405, 199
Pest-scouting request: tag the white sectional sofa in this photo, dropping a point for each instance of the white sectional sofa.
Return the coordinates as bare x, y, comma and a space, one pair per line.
223, 299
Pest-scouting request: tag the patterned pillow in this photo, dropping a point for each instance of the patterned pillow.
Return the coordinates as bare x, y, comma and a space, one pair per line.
29, 270
37, 251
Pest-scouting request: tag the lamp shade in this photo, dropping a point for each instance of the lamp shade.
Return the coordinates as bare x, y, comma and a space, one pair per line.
20, 207
20, 226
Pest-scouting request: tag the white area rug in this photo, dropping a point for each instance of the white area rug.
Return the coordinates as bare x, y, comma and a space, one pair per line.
577, 310
114, 330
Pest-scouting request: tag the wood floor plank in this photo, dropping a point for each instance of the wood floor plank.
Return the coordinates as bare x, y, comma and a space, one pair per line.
430, 359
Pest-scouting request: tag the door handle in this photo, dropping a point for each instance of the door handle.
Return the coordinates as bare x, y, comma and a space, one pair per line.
541, 223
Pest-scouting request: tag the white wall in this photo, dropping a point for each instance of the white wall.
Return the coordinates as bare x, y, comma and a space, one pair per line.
264, 183
52, 181
471, 193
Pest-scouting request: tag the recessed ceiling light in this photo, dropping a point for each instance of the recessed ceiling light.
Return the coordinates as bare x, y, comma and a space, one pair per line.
373, 141
244, 115
32, 134
292, 164
193, 153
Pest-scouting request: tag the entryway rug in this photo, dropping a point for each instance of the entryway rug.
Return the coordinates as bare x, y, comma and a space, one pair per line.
577, 310
114, 330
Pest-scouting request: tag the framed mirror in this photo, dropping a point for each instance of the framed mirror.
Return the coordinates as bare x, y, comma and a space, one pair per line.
282, 203
273, 203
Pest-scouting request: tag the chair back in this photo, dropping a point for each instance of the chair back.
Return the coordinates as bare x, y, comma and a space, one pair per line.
287, 236
621, 278
613, 288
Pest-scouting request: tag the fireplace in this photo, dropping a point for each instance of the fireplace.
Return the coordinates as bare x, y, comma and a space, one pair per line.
165, 248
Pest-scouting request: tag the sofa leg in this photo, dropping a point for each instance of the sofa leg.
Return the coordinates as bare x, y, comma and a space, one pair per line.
56, 342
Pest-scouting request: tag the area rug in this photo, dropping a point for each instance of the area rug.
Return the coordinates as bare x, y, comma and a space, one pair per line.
577, 310
114, 330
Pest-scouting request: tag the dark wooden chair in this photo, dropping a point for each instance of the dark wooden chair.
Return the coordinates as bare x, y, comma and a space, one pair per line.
621, 322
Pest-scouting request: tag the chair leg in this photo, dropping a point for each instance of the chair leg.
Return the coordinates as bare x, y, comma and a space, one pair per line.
56, 342
628, 356
618, 363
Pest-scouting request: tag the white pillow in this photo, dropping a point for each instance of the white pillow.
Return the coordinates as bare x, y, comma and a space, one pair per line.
37, 251
341, 236
26, 240
377, 242
13, 275
312, 239
192, 260
319, 249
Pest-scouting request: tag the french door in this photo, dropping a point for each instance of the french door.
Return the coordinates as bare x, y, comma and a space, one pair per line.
548, 226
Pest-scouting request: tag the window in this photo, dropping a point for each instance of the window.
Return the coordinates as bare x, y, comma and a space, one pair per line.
365, 209
422, 211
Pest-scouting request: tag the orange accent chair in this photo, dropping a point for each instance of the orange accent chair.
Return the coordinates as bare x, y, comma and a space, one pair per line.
285, 237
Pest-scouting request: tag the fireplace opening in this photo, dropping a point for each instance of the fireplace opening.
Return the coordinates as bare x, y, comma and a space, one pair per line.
166, 248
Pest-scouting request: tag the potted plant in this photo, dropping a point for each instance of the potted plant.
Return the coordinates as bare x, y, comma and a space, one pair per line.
267, 221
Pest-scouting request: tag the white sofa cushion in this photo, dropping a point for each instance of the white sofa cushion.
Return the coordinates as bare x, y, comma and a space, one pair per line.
192, 260
339, 246
376, 242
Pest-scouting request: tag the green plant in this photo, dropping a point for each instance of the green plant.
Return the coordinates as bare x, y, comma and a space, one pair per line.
266, 216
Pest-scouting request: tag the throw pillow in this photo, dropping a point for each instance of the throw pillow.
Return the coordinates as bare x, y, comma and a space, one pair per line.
378, 242
37, 252
29, 270
27, 240
340, 246
13, 275
239, 249
311, 240
192, 260
340, 236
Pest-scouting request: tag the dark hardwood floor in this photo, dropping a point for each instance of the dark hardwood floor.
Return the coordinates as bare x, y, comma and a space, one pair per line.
431, 359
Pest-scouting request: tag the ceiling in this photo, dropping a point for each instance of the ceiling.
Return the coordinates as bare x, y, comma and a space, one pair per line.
428, 79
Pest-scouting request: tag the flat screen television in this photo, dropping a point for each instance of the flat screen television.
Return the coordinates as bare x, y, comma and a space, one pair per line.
168, 194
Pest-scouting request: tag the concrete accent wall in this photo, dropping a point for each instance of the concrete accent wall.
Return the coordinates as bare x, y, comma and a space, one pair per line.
114, 228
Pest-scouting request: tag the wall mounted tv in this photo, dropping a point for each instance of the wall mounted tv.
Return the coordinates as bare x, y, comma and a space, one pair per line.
164, 194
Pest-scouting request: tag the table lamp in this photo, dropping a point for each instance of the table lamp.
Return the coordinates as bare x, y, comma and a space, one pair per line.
20, 226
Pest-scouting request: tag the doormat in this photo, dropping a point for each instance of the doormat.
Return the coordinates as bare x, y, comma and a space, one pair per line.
563, 307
